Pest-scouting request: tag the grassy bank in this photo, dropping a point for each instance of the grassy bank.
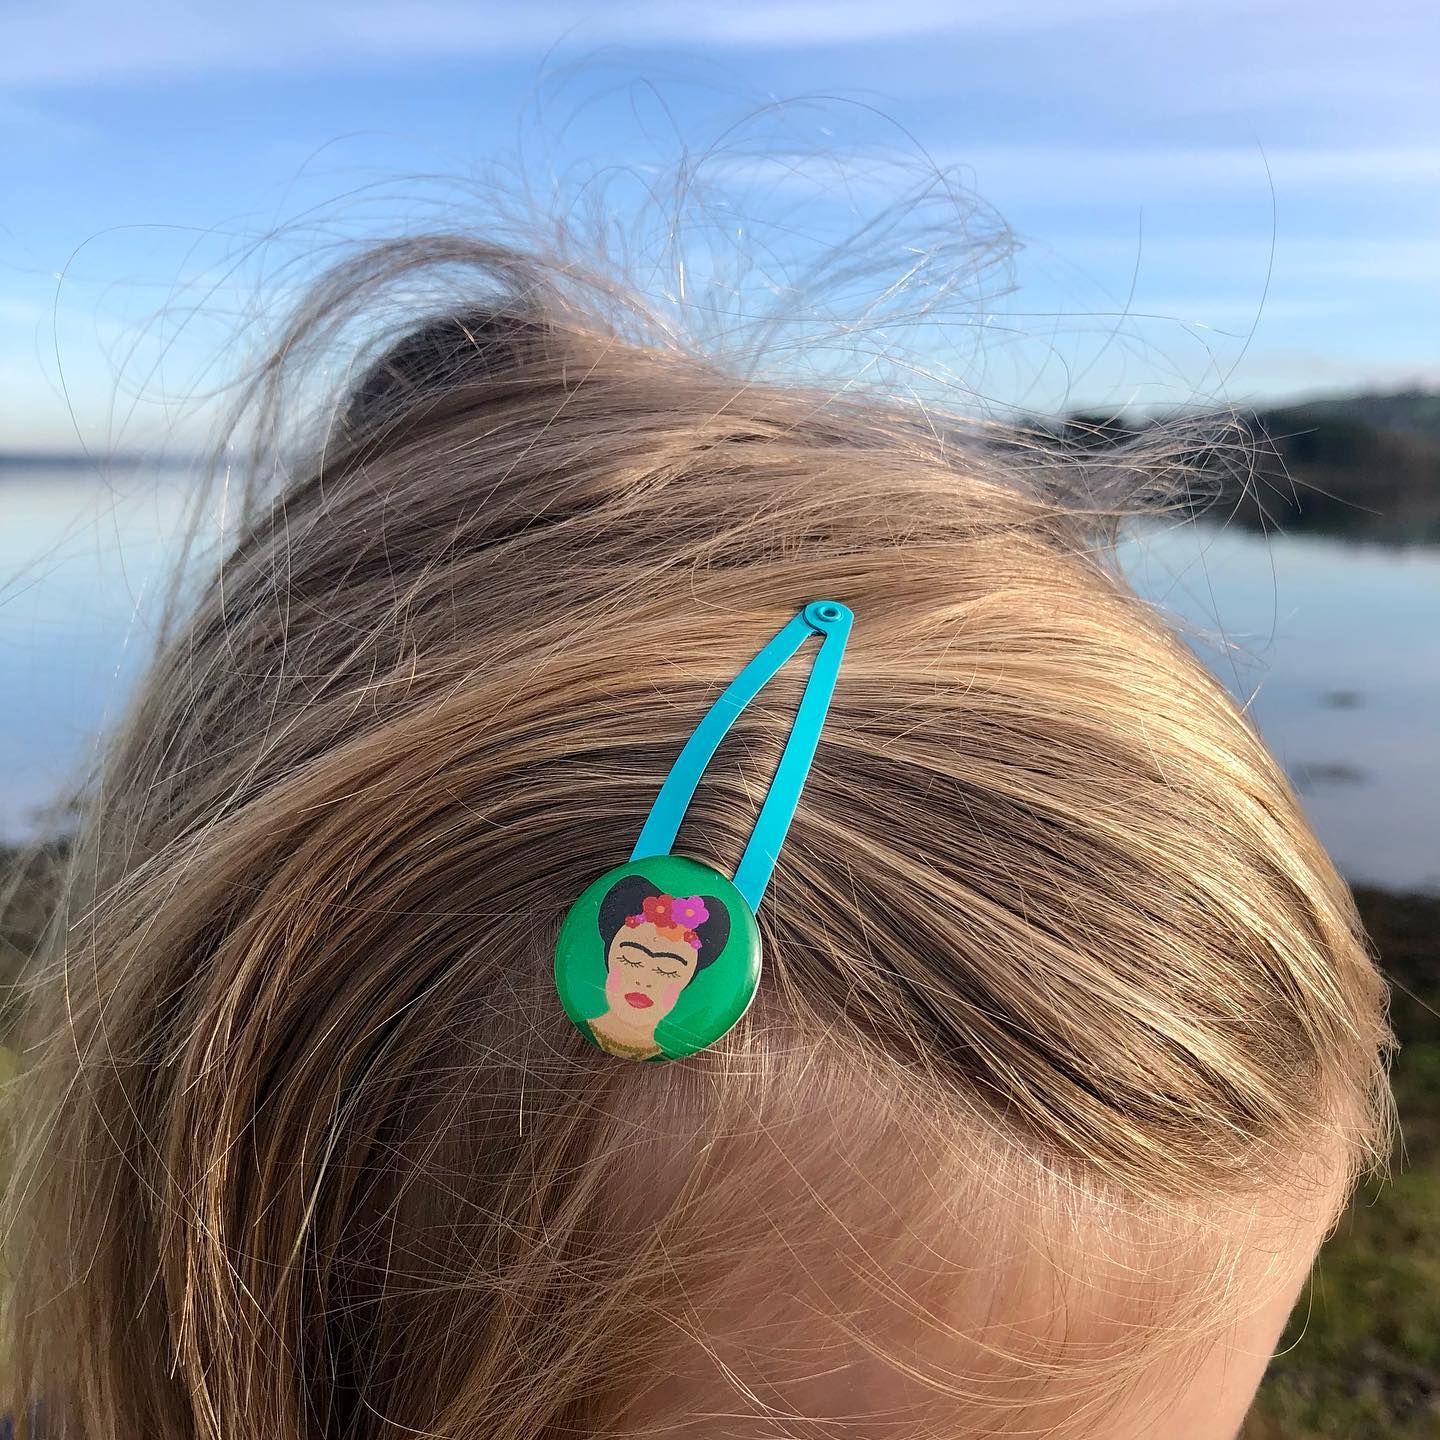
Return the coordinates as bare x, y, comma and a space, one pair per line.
1361, 1358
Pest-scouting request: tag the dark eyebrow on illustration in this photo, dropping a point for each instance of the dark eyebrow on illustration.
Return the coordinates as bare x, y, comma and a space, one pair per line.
656, 954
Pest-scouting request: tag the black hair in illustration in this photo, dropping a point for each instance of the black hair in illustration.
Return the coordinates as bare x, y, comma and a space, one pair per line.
629, 893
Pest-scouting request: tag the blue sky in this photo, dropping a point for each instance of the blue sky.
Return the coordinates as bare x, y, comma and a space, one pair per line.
1223, 201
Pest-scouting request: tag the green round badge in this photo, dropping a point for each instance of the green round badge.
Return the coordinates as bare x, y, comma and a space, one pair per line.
658, 958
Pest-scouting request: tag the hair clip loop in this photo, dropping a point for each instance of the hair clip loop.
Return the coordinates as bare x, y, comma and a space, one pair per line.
826, 618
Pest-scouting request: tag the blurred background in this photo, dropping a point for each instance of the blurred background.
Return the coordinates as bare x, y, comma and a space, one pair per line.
1078, 216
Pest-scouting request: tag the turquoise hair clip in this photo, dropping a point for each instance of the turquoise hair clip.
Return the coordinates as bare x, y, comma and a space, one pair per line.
660, 957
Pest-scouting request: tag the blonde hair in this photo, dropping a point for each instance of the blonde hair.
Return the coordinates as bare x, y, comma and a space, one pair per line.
1056, 973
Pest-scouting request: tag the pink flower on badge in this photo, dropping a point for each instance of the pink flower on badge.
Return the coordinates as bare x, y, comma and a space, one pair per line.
689, 911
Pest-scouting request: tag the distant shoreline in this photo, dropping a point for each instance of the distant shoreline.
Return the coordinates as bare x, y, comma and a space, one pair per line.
97, 463
1358, 467
1354, 467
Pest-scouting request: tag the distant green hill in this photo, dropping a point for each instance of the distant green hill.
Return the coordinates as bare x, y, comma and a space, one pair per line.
1362, 466
1407, 412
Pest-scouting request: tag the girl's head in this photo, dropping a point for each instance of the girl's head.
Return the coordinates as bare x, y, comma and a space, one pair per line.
1067, 1050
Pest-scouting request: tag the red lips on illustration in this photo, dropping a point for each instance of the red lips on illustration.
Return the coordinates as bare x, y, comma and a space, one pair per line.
639, 1000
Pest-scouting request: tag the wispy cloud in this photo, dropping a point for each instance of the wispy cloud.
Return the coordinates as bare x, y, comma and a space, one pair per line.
87, 40
1317, 257
1069, 172
24, 118
1212, 167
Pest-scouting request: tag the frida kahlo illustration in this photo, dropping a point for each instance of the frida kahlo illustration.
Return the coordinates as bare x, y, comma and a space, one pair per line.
655, 945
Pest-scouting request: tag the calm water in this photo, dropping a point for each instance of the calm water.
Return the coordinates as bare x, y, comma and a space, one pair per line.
1336, 648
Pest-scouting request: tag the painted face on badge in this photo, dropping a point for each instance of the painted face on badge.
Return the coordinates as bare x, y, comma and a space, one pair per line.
647, 971
655, 944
